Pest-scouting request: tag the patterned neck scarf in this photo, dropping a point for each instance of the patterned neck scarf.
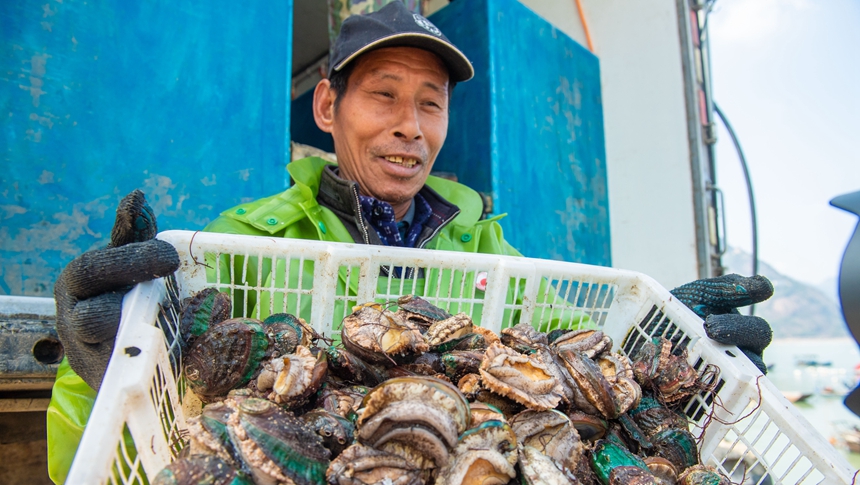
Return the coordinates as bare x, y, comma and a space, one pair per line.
380, 216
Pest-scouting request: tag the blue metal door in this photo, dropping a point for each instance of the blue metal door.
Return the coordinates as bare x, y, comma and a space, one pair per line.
528, 130
185, 99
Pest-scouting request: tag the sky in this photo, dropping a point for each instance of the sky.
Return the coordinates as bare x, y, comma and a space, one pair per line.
786, 73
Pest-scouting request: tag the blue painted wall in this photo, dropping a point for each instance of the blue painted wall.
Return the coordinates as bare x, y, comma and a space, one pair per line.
529, 129
185, 99
467, 150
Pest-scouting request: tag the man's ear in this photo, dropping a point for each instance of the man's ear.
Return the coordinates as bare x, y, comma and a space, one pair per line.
324, 97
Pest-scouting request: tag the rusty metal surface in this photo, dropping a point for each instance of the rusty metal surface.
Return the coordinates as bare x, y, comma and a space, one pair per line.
30, 350
20, 365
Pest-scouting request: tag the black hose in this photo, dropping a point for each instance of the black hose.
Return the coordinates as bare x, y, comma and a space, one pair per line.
749, 192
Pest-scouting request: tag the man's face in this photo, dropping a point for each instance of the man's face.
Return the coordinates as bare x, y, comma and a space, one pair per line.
391, 122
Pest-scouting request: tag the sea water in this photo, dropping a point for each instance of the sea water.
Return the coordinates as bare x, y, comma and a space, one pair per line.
827, 369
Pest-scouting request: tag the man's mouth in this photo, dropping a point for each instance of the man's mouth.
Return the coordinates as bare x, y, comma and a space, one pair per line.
405, 161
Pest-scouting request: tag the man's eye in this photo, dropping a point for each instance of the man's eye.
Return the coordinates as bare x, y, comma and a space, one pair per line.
385, 94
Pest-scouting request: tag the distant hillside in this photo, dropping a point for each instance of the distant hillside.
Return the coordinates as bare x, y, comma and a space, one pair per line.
796, 309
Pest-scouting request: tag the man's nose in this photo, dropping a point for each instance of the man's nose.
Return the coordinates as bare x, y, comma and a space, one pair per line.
408, 127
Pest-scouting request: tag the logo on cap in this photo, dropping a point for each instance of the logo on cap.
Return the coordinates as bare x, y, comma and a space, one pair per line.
426, 24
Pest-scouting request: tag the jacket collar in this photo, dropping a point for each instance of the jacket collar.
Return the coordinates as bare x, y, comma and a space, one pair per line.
272, 214
336, 193
307, 174
341, 197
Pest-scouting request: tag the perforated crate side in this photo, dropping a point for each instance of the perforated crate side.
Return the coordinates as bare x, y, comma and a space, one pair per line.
744, 423
135, 425
629, 306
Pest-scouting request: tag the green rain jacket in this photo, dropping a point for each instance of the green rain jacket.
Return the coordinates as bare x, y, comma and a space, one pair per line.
294, 213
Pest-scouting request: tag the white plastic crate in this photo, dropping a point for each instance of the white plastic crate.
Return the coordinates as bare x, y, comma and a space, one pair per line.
138, 422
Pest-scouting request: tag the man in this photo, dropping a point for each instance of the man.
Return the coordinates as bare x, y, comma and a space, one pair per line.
386, 105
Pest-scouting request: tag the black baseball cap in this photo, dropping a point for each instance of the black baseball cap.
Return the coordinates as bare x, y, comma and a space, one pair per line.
395, 26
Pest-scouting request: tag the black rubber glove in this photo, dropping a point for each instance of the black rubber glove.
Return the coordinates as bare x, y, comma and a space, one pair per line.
90, 289
717, 299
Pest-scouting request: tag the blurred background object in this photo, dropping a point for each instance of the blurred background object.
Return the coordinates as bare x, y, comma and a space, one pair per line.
849, 283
